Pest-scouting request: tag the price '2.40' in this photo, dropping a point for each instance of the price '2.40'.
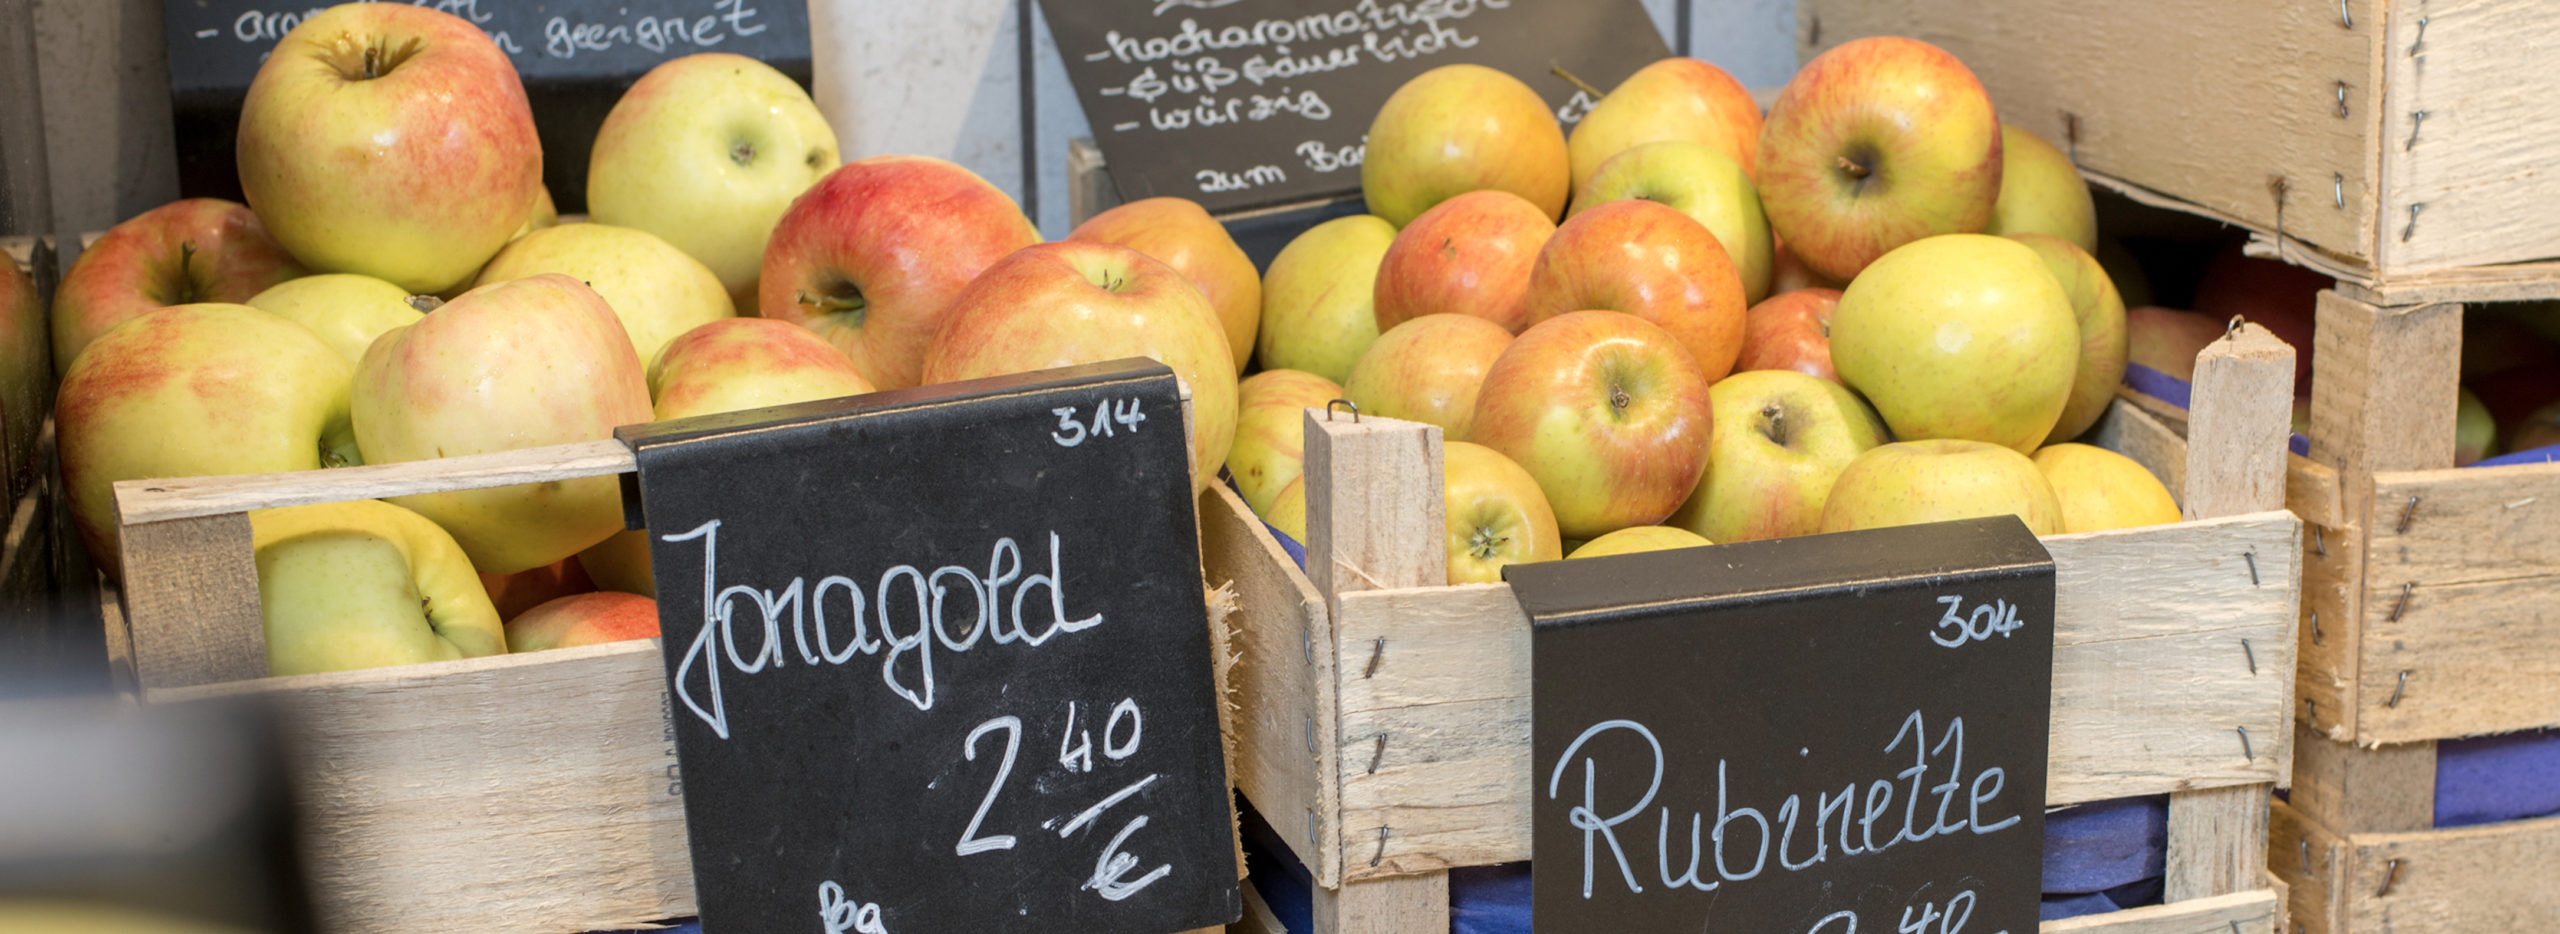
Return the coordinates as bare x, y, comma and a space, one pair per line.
1121, 734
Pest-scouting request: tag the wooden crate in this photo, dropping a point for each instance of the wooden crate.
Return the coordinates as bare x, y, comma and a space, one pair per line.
2402, 146
1385, 717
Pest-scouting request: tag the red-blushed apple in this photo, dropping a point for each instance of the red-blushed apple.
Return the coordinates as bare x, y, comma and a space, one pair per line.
1789, 274
1178, 233
2475, 431
657, 290
1680, 99
1874, 144
2099, 312
2099, 489
195, 391
180, 253
1462, 128
1319, 298
1650, 261
363, 584
735, 364
2277, 296
26, 375
873, 255
1790, 331
1495, 512
1780, 439
345, 309
1071, 302
583, 619
458, 382
1915, 482
1638, 538
1607, 411
2041, 193
389, 140
515, 593
1696, 180
1270, 446
1428, 370
1469, 255
1959, 336
545, 215
2167, 340
706, 151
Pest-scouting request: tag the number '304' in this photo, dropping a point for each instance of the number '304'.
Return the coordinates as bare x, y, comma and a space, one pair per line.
1958, 627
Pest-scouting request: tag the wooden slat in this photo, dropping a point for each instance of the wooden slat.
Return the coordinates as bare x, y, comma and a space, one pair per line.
2479, 159
2513, 282
1403, 905
2324, 681
2307, 856
527, 793
161, 500
2254, 912
2480, 658
2311, 491
1280, 686
2128, 429
2217, 841
1258, 917
2380, 788
2468, 525
2150, 680
2492, 877
2384, 397
191, 601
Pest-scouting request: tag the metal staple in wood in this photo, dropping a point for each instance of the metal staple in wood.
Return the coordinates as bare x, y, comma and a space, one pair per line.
2246, 754
1311, 734
2417, 119
1381, 855
1376, 655
2405, 515
2421, 39
2391, 875
2342, 100
2316, 638
2252, 654
1346, 403
2403, 605
2346, 20
2397, 691
2338, 188
2306, 857
2412, 229
2252, 558
1378, 755
2319, 541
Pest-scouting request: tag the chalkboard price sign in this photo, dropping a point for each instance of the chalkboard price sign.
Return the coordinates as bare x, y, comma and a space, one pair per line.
1833, 734
939, 664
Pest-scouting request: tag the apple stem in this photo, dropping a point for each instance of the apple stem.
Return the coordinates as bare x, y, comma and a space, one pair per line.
1854, 169
1619, 399
1777, 418
1569, 77
372, 62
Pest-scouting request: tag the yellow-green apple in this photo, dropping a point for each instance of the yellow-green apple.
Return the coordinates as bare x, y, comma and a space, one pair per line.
2167, 340
2099, 312
2100, 489
621, 563
872, 255
1177, 233
518, 364
1874, 144
1649, 261
1073, 302
2538, 429
1696, 180
181, 253
706, 151
515, 593
583, 619
1319, 298
1270, 446
735, 364
195, 391
657, 290
1790, 331
1288, 511
2277, 296
26, 375
1607, 411
545, 214
1780, 439
1637, 538
1959, 336
363, 584
2041, 193
1914, 482
1428, 370
346, 310
1495, 512
389, 140
1789, 274
1468, 255
2475, 432
1680, 99
1461, 128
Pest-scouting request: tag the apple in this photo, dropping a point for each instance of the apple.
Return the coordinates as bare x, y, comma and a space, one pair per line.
1959, 336
583, 619
1073, 302
2167, 340
621, 563
1462, 128
1789, 274
1495, 512
872, 256
1177, 233
1469, 255
1270, 446
707, 151
195, 391
2475, 432
1874, 144
2125, 270
2099, 312
657, 290
1428, 370
1791, 331
1940, 480
1696, 180
180, 253
1780, 439
2041, 193
1288, 512
515, 593
363, 584
455, 383
735, 364
2280, 297
1607, 411
545, 215
2100, 489
389, 140
1638, 538
1680, 99
26, 376
346, 310
1319, 297
1650, 261
2535, 431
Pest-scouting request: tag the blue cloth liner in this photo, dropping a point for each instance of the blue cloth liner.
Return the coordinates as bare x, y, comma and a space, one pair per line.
2541, 455
2489, 779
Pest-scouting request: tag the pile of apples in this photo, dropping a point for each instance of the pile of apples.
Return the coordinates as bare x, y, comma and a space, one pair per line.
1874, 305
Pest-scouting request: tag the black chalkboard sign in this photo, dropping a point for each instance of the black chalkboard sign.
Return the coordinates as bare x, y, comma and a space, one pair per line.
940, 662
576, 57
1833, 734
1245, 103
